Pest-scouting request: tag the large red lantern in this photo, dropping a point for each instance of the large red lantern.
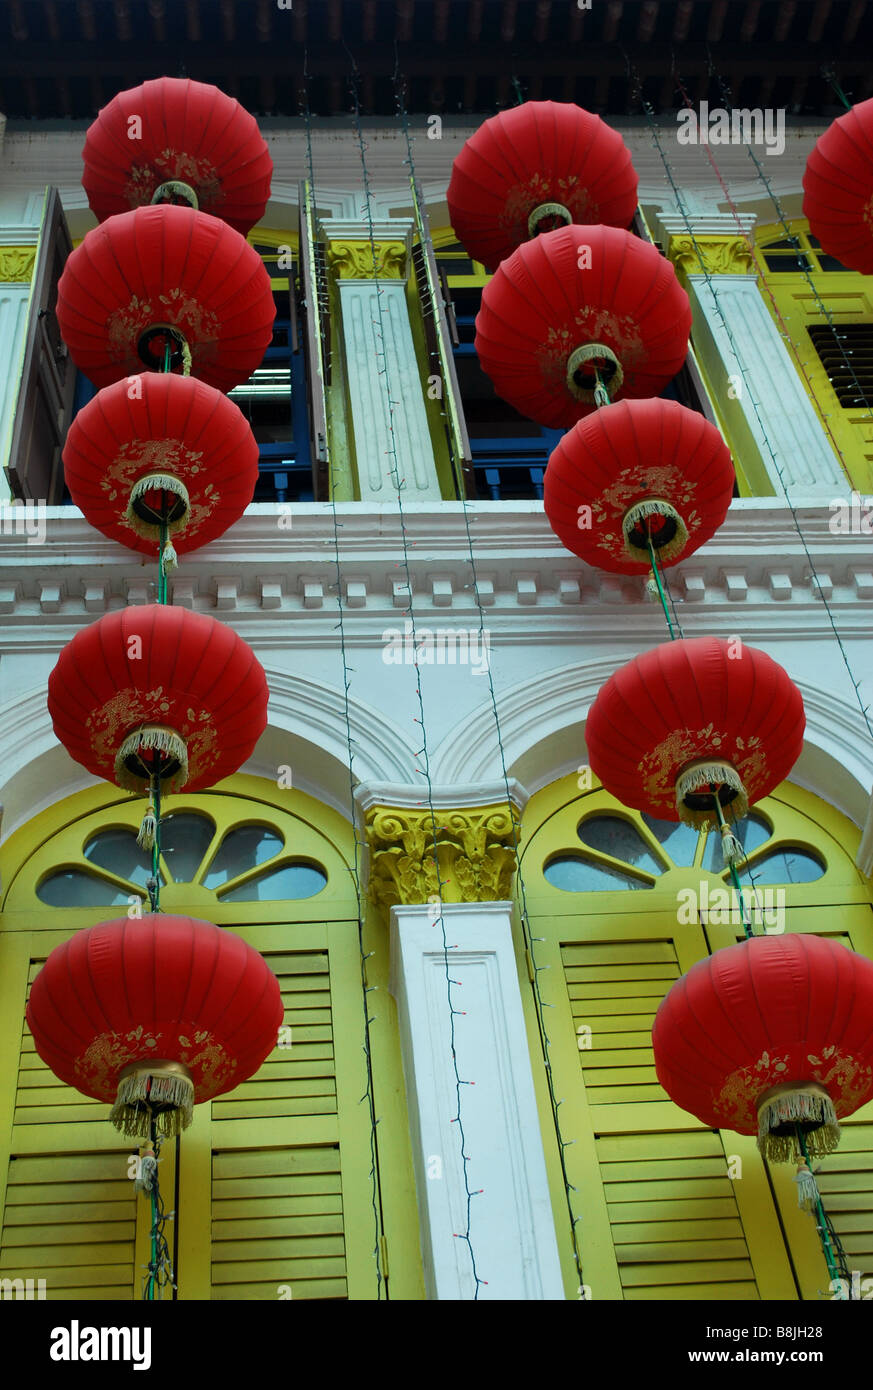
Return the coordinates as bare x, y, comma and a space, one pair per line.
838, 189
158, 692
166, 279
576, 301
176, 140
692, 717
534, 168
769, 1036
154, 1015
159, 445
635, 469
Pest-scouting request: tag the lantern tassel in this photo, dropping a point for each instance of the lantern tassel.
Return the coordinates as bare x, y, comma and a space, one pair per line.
141, 1092
158, 736
731, 849
148, 829
807, 1188
652, 587
169, 558
654, 506
148, 1169
785, 1107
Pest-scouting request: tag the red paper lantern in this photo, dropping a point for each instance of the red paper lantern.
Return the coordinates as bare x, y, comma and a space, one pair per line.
166, 276
174, 139
838, 189
534, 168
690, 715
161, 441
158, 691
635, 467
155, 1014
768, 1035
574, 299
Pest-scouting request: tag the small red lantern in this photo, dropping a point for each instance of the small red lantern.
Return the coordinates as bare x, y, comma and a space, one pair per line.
768, 1037
166, 280
838, 189
154, 1015
635, 469
576, 303
692, 717
161, 445
174, 140
158, 692
536, 167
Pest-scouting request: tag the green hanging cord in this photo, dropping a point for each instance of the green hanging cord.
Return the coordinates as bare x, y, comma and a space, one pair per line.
153, 1267
516, 87
656, 573
735, 878
831, 77
156, 847
824, 1234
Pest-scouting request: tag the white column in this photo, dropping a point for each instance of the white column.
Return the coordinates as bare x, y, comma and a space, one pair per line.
14, 302
380, 357
512, 1229
731, 307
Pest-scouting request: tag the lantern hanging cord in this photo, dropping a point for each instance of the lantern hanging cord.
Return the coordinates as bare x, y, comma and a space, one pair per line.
832, 1248
422, 753
535, 969
359, 844
160, 1267
743, 371
830, 77
656, 575
726, 831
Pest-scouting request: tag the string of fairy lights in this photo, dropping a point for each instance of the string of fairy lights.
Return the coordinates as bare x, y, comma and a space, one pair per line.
389, 404
834, 1254
368, 1097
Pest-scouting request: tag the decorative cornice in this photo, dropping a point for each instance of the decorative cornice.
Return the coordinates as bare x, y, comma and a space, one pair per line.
354, 260
16, 264
474, 858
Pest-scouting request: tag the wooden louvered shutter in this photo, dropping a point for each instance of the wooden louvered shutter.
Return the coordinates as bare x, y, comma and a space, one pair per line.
844, 1177
275, 1181
70, 1213
48, 377
663, 1218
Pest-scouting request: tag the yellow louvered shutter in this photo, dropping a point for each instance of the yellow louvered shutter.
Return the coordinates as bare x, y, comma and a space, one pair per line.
71, 1219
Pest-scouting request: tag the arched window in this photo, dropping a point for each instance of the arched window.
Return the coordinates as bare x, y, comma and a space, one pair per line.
619, 905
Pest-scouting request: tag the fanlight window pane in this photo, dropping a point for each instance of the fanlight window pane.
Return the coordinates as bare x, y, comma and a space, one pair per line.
616, 837
291, 881
118, 851
76, 888
787, 865
184, 841
241, 849
678, 839
752, 832
573, 874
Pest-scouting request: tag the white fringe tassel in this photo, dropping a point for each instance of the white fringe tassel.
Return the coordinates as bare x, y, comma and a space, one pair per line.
700, 777
133, 1111
807, 1188
804, 1106
151, 736
654, 506
148, 829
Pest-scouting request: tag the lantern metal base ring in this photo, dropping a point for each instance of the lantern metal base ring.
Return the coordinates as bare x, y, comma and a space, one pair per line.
669, 541
543, 213
694, 792
784, 1109
180, 352
176, 191
582, 385
144, 519
153, 1091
